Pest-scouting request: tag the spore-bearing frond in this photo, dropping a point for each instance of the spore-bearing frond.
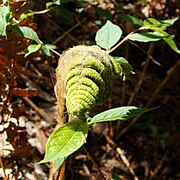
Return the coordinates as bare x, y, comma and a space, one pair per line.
87, 74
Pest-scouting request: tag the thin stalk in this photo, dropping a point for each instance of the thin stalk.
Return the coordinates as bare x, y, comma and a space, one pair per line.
126, 38
121, 42
67, 32
2, 166
150, 57
138, 86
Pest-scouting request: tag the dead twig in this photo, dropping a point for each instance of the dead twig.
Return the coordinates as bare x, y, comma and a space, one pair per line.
149, 56
126, 162
150, 50
37, 109
3, 169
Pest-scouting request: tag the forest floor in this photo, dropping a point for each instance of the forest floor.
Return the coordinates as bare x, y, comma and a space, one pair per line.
148, 149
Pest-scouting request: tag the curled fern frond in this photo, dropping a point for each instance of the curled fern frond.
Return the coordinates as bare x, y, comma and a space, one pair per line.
86, 74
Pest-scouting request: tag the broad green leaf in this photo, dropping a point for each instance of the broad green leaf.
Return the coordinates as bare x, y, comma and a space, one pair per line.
131, 19
157, 23
32, 48
121, 113
146, 36
26, 32
168, 39
169, 22
151, 22
125, 66
4, 19
108, 35
47, 49
65, 140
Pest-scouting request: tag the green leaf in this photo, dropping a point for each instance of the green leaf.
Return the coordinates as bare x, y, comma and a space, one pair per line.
169, 22
125, 66
59, 162
108, 35
65, 140
26, 32
47, 49
131, 19
121, 113
159, 23
32, 48
168, 39
146, 36
151, 22
4, 19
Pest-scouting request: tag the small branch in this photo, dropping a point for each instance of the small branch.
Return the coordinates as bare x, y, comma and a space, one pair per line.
40, 12
170, 74
3, 169
126, 162
121, 42
67, 32
150, 57
37, 109
62, 171
151, 47
55, 52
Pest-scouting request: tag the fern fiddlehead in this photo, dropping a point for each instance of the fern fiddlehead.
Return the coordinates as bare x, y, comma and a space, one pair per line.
84, 78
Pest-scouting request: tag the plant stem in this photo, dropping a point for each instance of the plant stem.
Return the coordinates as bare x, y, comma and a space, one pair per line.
151, 47
2, 166
67, 32
125, 39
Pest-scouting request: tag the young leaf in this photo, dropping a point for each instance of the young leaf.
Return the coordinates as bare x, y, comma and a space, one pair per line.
151, 22
4, 19
32, 48
146, 36
131, 19
47, 49
169, 22
121, 113
168, 39
26, 32
126, 67
65, 140
108, 35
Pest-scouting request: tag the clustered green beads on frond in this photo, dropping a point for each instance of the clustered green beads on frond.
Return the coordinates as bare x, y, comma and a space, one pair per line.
87, 73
